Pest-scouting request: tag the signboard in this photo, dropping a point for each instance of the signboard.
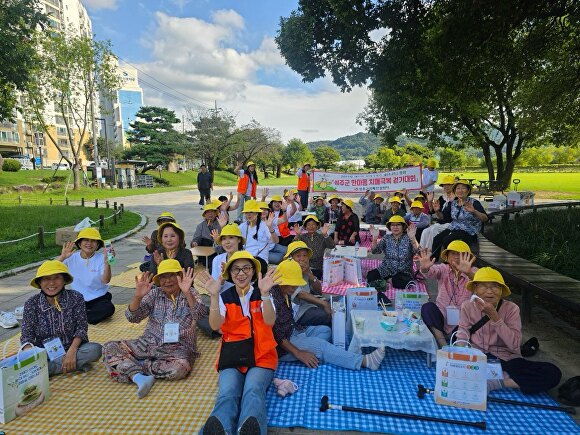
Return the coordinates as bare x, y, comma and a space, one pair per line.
37, 161
360, 182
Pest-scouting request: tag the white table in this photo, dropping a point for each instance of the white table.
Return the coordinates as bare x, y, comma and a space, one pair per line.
374, 335
203, 251
349, 251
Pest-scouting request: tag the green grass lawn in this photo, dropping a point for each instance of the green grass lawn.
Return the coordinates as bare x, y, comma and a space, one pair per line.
20, 221
555, 185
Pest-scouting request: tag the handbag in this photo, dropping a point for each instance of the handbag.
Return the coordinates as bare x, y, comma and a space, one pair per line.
402, 279
234, 354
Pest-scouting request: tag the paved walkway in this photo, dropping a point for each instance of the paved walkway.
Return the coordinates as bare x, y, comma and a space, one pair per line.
558, 342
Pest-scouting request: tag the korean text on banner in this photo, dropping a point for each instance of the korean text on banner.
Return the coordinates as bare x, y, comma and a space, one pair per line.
360, 182
461, 378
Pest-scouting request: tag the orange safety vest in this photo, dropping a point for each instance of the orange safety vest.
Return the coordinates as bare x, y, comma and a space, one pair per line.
237, 327
284, 230
304, 181
243, 185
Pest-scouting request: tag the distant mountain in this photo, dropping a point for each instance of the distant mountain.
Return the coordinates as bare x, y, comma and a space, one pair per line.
357, 146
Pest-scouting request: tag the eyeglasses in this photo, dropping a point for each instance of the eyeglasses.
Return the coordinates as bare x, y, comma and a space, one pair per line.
237, 270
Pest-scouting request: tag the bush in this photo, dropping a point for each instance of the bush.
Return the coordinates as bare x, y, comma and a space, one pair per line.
11, 165
56, 178
161, 181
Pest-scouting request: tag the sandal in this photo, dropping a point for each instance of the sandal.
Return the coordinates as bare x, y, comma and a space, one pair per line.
530, 347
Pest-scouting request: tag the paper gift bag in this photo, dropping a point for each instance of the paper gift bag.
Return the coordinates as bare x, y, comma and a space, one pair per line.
338, 321
24, 383
461, 378
359, 298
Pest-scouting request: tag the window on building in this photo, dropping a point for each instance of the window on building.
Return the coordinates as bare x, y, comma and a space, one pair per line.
39, 139
61, 131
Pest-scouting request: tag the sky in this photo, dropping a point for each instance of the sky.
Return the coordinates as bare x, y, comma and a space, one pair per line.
224, 51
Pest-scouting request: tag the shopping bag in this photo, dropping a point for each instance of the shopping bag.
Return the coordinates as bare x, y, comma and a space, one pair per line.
461, 377
338, 321
24, 382
359, 298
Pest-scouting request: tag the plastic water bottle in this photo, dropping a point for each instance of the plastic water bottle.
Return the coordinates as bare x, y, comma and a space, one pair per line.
111, 259
356, 246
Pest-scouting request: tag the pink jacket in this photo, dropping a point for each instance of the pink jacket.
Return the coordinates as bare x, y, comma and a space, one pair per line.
501, 338
451, 291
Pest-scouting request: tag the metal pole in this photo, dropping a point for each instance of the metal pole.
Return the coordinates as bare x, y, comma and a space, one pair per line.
95, 145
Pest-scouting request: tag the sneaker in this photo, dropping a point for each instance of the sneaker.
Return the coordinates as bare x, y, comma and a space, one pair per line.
250, 427
7, 320
530, 347
213, 427
19, 312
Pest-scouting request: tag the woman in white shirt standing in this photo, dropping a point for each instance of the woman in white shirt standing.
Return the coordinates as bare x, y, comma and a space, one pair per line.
259, 234
91, 272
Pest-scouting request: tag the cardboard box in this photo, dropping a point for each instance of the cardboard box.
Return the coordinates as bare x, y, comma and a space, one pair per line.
66, 234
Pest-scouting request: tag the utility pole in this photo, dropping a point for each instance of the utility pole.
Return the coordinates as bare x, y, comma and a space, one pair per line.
95, 146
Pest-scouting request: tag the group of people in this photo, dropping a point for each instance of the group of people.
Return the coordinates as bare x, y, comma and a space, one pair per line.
265, 296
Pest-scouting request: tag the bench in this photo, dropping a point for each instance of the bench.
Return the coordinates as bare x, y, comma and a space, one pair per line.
530, 278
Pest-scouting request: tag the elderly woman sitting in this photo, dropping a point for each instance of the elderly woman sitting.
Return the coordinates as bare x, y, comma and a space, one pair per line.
171, 237
56, 319
202, 235
399, 247
466, 215
168, 347
317, 241
442, 317
493, 325
347, 226
372, 204
312, 310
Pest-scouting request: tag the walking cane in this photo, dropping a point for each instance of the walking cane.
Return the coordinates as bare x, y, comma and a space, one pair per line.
570, 410
325, 405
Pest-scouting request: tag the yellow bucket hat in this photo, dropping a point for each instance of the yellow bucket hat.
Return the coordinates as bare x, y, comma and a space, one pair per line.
263, 205
419, 198
167, 266
487, 274
290, 273
210, 206
455, 246
378, 196
417, 204
231, 230
396, 219
174, 225
432, 163
240, 255
165, 217
465, 183
297, 246
251, 206
348, 203
89, 233
277, 198
250, 163
395, 199
448, 179
51, 267
311, 217
334, 196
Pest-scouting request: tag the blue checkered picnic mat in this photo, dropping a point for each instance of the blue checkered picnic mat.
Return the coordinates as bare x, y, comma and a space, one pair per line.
394, 388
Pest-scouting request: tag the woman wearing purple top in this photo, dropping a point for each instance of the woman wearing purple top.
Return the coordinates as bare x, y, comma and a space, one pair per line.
56, 319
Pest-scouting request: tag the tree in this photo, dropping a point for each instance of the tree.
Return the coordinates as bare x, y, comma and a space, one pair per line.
71, 71
19, 20
270, 158
448, 67
536, 156
153, 137
450, 158
326, 157
212, 137
296, 153
385, 157
252, 140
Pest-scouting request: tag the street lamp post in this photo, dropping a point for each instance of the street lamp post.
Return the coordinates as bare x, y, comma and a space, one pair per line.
109, 166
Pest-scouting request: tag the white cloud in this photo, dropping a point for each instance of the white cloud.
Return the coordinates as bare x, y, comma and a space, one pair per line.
100, 4
198, 58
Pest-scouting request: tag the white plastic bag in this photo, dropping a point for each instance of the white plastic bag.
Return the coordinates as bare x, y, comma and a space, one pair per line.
85, 223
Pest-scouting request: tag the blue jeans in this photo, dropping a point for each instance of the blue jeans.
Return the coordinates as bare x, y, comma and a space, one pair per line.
242, 396
243, 199
277, 253
316, 339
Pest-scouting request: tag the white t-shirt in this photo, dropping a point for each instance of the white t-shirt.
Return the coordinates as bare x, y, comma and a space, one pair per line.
260, 247
216, 269
87, 275
296, 217
428, 177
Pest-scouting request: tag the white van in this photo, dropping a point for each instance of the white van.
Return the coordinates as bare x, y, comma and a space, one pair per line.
59, 166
